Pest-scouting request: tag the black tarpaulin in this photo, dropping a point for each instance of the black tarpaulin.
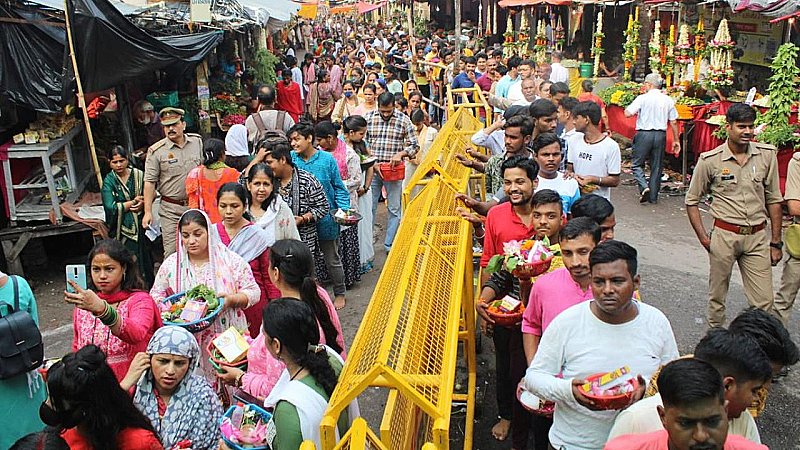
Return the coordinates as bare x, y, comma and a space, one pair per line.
110, 49
31, 59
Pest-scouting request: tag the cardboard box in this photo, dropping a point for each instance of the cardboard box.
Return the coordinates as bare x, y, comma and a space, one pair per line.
231, 345
194, 310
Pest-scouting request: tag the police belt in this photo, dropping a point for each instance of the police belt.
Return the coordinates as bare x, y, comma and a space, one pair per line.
738, 229
184, 202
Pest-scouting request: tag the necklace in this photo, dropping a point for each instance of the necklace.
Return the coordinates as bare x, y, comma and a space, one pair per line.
296, 373
216, 165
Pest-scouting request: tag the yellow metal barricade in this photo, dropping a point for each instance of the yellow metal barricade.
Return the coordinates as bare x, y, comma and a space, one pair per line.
422, 309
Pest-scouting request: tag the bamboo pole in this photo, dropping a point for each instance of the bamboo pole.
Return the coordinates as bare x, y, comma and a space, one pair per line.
457, 13
81, 99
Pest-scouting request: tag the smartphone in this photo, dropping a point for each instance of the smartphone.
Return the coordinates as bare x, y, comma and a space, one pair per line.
215, 366
76, 273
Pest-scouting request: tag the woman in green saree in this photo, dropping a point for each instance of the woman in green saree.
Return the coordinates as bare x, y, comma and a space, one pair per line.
124, 205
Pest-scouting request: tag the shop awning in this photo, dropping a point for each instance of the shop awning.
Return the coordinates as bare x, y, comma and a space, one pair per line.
364, 7
513, 3
274, 14
786, 17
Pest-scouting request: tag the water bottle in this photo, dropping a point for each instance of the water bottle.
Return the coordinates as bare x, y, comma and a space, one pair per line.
237, 415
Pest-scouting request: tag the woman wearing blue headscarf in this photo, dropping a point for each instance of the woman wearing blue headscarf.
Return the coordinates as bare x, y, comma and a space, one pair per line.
180, 404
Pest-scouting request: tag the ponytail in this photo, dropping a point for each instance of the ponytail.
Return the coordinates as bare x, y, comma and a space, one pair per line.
309, 295
319, 366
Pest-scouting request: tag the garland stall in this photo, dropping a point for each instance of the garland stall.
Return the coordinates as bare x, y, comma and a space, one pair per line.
523, 37
668, 56
699, 48
683, 55
540, 49
721, 54
597, 49
508, 38
631, 45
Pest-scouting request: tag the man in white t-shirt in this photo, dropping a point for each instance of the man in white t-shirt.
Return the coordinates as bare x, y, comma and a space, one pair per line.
587, 339
595, 160
547, 153
558, 72
745, 368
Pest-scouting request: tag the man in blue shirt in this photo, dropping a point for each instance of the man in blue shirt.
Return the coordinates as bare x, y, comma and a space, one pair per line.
467, 78
501, 90
323, 166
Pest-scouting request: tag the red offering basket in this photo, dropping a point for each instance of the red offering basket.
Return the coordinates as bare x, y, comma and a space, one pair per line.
534, 269
612, 401
219, 360
504, 319
534, 404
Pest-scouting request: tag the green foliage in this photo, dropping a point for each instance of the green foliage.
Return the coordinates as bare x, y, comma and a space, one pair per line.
223, 107
264, 67
621, 94
783, 95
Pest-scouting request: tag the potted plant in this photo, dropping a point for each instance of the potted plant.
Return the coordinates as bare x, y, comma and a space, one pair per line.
773, 126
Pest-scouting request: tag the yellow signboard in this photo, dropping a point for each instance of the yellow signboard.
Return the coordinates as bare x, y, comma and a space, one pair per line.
757, 40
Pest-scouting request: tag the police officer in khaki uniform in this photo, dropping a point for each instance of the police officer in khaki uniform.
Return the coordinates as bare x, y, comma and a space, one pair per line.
741, 176
168, 163
790, 280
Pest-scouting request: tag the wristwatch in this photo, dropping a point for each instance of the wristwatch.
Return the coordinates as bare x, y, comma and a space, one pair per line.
778, 245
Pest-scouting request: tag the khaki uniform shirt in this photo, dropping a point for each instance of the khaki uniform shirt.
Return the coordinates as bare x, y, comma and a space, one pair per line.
793, 178
168, 164
740, 193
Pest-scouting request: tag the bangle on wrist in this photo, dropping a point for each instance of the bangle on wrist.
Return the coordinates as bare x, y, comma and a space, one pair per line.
238, 381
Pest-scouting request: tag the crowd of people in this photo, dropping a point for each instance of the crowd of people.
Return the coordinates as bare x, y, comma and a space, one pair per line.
252, 217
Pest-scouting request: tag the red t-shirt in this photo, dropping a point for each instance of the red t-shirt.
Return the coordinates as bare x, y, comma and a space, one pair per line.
503, 225
127, 439
659, 440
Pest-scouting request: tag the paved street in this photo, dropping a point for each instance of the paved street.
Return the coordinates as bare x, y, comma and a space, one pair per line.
673, 267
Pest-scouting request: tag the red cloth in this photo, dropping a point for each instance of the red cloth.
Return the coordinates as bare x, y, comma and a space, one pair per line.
289, 99
127, 439
260, 268
591, 97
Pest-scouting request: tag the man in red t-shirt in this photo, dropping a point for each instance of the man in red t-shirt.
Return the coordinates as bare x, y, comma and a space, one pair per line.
289, 98
694, 413
509, 221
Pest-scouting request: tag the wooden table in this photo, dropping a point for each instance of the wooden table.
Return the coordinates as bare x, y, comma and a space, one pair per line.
13, 240
29, 208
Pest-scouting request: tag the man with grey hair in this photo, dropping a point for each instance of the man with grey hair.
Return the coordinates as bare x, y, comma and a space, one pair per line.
655, 110
558, 72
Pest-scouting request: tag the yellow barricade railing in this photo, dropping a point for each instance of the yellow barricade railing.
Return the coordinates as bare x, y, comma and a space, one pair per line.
420, 311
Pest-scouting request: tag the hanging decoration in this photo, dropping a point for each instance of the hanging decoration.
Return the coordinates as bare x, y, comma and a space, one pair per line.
721, 53
508, 37
493, 28
540, 49
560, 35
597, 49
480, 19
699, 48
683, 54
668, 56
655, 48
631, 46
523, 37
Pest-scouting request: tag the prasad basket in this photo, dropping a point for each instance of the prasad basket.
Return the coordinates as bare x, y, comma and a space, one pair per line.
265, 416
534, 269
199, 324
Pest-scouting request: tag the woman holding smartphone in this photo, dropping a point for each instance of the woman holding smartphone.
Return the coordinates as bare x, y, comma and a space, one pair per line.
124, 205
115, 312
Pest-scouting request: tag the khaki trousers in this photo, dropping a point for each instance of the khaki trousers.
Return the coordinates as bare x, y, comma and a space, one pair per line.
790, 284
751, 252
170, 215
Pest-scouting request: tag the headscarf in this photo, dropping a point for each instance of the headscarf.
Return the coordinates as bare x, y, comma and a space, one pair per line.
194, 410
220, 258
267, 221
340, 155
236, 141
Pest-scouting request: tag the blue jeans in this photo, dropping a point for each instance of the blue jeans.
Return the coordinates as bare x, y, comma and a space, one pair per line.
394, 192
649, 144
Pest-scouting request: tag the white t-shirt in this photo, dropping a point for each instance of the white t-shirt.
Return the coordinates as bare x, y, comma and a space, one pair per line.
577, 344
600, 159
558, 73
515, 92
654, 108
569, 190
642, 417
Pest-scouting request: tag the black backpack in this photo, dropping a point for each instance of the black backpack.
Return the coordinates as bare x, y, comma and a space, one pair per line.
21, 348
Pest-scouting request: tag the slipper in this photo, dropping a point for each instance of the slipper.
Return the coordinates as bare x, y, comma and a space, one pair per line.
341, 306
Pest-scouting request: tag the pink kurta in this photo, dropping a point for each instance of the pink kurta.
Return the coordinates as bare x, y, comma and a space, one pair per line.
139, 319
334, 318
263, 370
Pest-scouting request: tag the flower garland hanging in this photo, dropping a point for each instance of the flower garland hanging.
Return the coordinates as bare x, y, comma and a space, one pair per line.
540, 49
699, 48
668, 56
523, 37
508, 38
721, 49
683, 54
655, 48
597, 49
560, 35
631, 46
